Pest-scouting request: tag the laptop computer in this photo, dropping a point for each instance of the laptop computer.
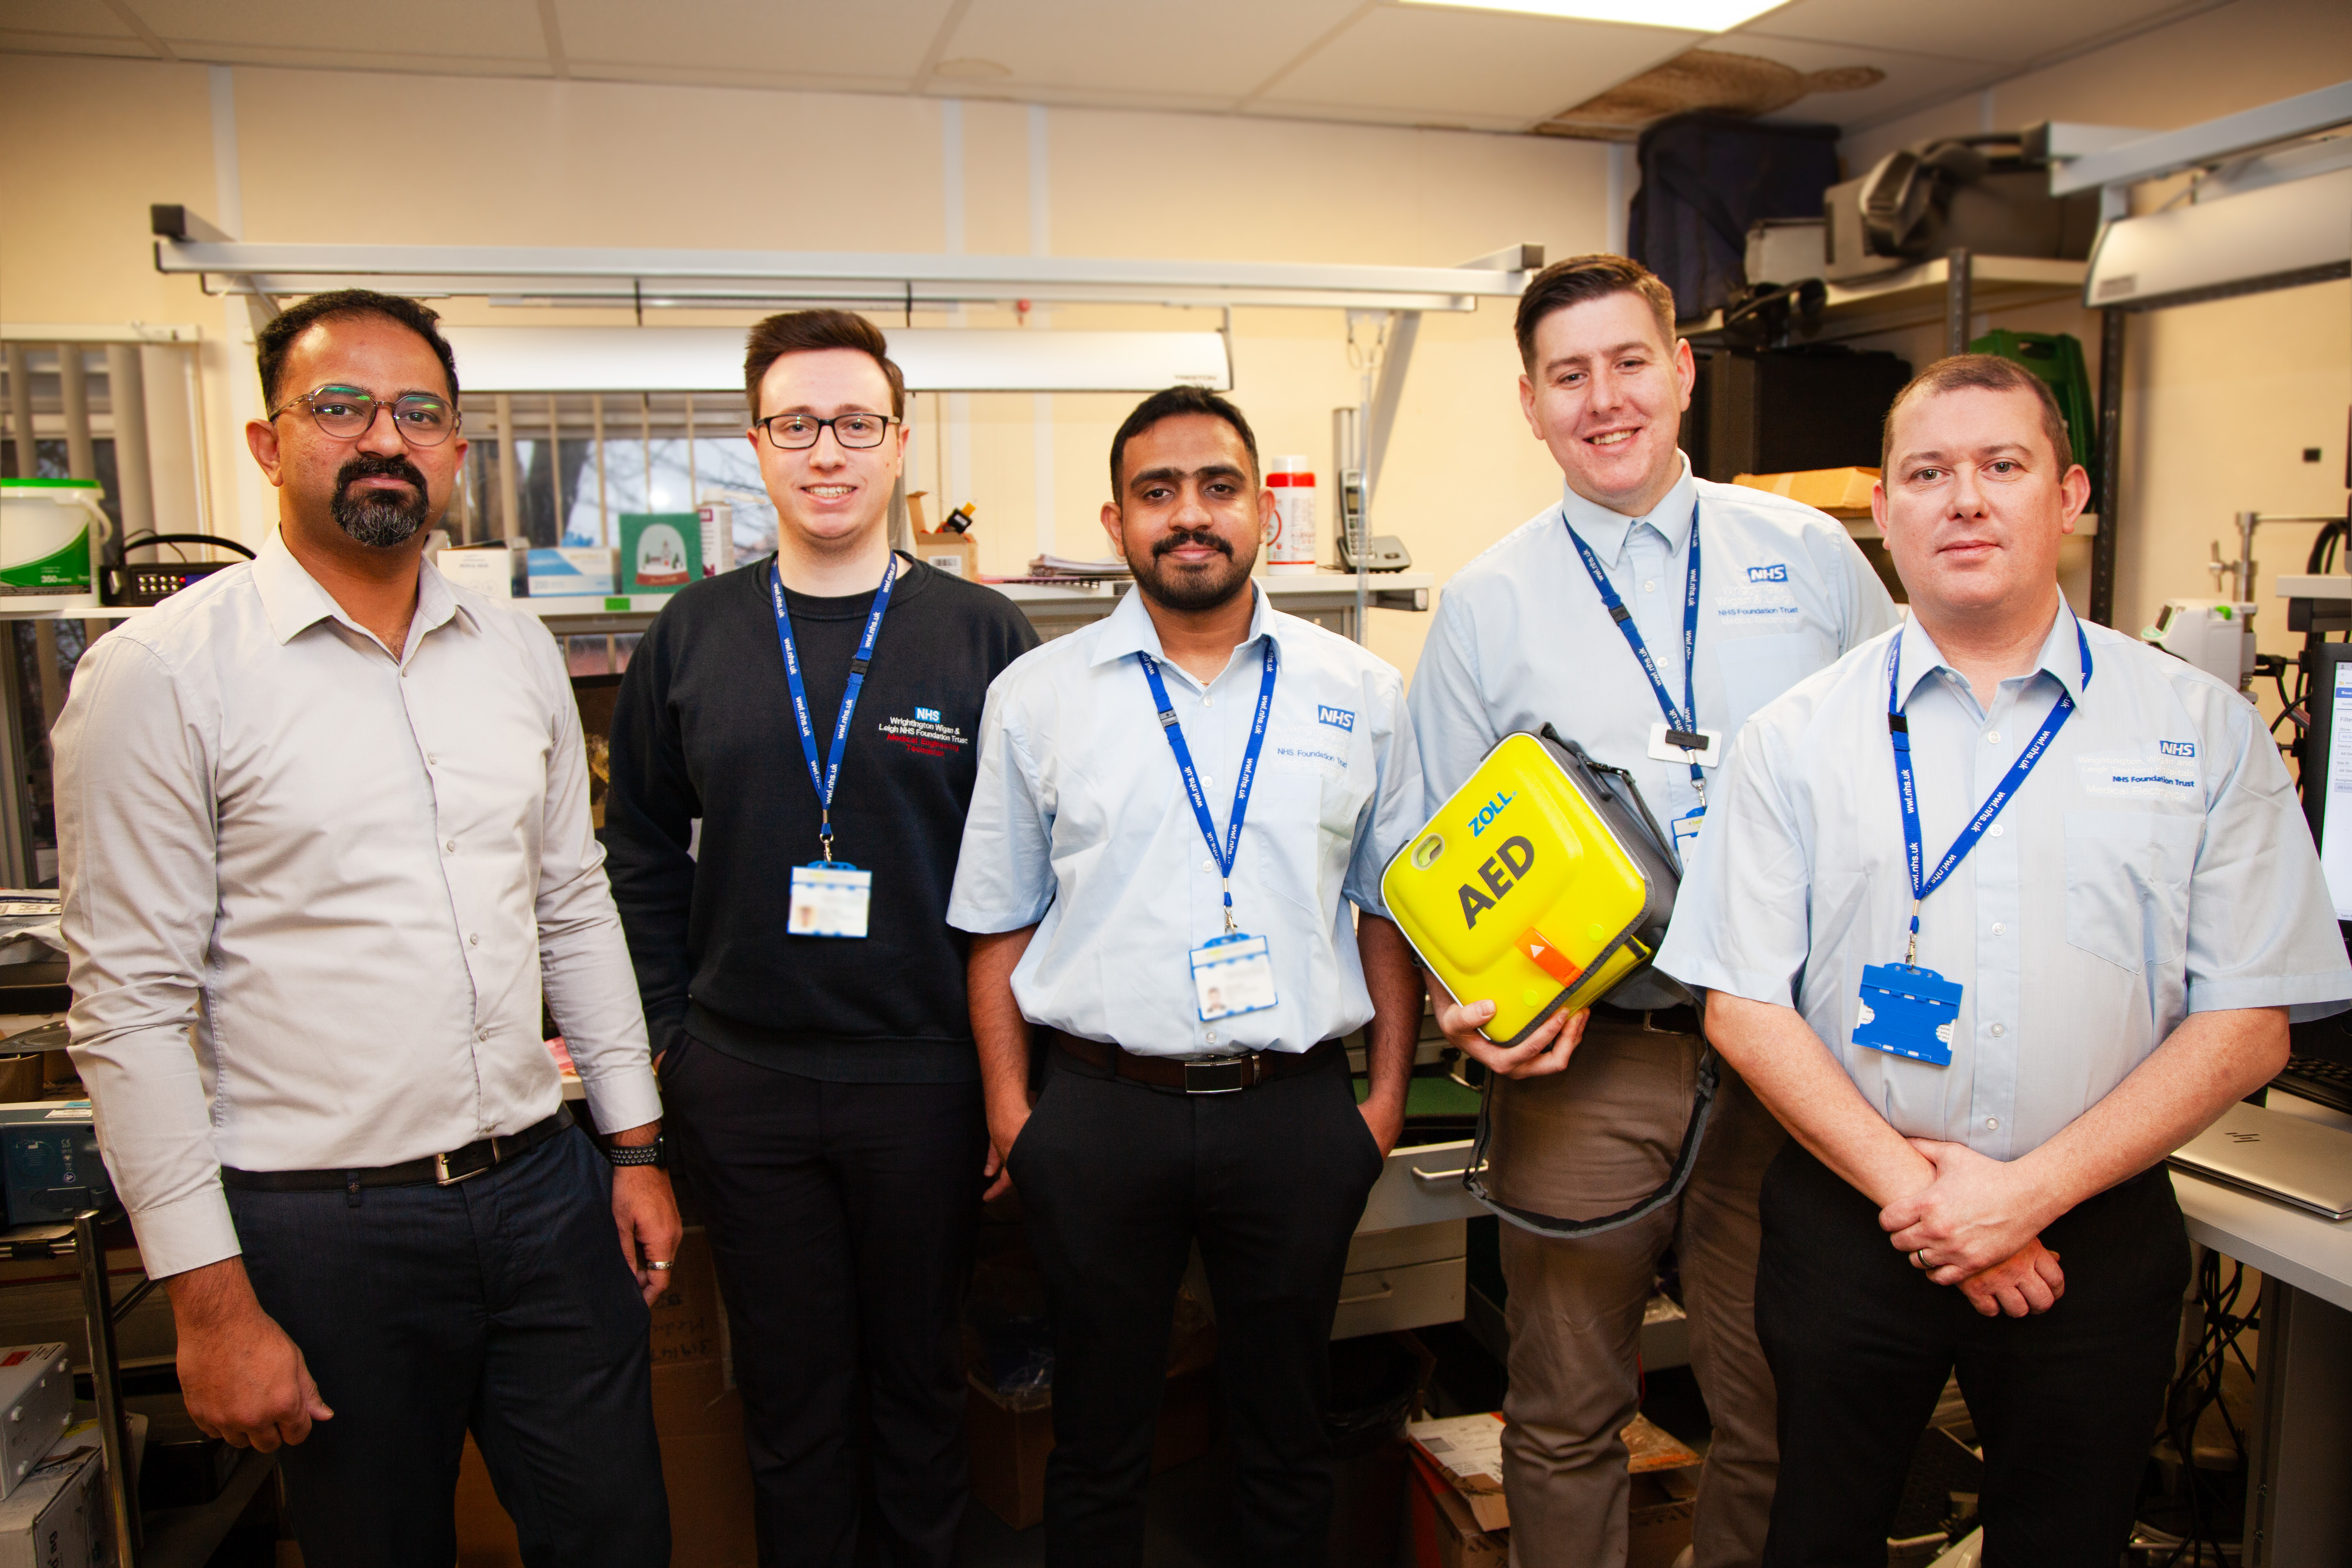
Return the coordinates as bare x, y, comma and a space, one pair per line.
2277, 1156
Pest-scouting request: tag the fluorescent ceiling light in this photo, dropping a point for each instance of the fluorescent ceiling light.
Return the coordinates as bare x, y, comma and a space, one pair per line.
1697, 16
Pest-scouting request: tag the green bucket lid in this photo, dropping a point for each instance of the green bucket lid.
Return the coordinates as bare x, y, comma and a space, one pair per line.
49, 484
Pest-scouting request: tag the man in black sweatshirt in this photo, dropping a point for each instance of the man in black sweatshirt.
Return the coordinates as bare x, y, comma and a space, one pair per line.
816, 717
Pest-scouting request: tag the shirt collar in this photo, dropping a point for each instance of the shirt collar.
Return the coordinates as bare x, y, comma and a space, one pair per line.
294, 602
1606, 530
2061, 657
1128, 629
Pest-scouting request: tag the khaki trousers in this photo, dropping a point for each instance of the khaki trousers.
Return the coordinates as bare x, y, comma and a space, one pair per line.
1590, 1140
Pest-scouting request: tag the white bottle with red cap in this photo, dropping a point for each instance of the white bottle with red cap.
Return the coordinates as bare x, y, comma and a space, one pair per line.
1291, 551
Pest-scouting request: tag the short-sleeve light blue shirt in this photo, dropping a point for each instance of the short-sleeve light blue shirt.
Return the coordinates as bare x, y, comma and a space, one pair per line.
2154, 864
1081, 826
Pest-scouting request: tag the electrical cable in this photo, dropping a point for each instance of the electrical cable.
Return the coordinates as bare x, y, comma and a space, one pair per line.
2196, 1389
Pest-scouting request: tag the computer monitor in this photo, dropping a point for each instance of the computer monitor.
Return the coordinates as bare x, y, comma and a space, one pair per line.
2327, 768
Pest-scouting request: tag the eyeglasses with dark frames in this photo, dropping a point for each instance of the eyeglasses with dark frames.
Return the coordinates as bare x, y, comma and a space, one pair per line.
347, 413
799, 431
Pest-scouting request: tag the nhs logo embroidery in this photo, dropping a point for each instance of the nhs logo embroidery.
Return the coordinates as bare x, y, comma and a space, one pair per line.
927, 715
2176, 748
1337, 718
1776, 573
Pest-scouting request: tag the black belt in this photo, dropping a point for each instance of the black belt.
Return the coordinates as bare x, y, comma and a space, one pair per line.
1681, 1020
435, 1170
1213, 1075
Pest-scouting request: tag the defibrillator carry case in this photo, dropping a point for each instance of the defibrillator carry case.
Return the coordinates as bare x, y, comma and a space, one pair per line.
1545, 883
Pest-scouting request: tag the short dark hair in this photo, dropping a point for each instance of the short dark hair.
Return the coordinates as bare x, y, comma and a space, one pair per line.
1167, 404
1595, 276
275, 338
1992, 374
804, 332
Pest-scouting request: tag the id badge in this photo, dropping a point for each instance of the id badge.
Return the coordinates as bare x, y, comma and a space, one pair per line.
829, 898
1705, 756
1685, 830
1908, 1012
1232, 974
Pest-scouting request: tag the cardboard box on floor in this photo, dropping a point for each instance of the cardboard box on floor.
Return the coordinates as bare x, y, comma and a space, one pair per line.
699, 1417
1461, 1519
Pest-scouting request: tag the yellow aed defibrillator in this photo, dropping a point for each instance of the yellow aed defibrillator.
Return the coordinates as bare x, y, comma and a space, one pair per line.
1543, 884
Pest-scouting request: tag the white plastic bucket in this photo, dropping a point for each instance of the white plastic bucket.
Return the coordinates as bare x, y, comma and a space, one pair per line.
49, 534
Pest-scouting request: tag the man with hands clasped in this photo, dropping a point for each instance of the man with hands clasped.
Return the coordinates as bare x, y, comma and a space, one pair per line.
1997, 912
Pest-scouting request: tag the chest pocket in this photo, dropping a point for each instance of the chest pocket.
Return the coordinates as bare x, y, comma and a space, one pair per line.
2128, 885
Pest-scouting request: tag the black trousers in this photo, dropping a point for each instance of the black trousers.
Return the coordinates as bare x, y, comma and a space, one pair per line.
502, 1305
841, 1217
1117, 1181
2065, 1403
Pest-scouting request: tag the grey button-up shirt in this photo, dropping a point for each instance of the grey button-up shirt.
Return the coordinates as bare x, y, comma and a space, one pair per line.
343, 877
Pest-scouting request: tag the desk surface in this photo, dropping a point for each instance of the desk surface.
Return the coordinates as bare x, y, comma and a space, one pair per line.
2297, 1248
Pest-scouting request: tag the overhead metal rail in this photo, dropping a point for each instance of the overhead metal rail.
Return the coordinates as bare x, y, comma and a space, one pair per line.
907, 281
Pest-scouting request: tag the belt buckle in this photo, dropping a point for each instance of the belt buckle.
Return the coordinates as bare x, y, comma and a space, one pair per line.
441, 1176
1222, 1076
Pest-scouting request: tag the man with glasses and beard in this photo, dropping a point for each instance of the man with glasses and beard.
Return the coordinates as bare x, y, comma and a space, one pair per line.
1176, 806
326, 816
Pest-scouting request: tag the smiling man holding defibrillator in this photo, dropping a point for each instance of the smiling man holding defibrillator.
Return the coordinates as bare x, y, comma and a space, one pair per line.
1644, 617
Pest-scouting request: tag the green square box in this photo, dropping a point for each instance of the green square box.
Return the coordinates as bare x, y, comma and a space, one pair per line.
661, 552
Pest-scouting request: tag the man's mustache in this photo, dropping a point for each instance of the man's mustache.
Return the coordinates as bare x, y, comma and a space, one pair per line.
370, 465
1179, 540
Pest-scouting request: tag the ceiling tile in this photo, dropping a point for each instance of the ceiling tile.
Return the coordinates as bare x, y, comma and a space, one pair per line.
1223, 50
1912, 82
1482, 67
874, 39
85, 18
2001, 32
452, 29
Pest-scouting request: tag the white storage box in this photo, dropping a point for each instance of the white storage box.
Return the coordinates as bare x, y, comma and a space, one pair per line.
57, 1517
36, 1401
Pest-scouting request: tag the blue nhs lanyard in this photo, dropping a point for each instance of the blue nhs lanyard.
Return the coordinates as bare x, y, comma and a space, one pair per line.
1232, 846
831, 776
1682, 723
1899, 728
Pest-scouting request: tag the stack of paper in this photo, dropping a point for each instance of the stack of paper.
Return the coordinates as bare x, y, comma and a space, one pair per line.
1064, 566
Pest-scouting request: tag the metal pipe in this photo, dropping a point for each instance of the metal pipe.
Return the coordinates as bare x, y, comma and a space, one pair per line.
20, 412
126, 397
2112, 325
555, 465
106, 1378
509, 507
73, 387
1956, 303
603, 499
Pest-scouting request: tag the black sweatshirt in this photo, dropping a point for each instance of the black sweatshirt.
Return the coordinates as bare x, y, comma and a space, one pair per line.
704, 728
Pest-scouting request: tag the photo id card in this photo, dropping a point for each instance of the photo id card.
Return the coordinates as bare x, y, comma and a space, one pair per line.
829, 898
1907, 1012
1232, 974
1666, 750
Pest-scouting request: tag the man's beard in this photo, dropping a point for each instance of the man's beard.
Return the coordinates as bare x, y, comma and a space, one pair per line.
377, 518
1201, 587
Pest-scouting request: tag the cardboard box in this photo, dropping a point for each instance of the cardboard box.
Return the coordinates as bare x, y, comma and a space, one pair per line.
1841, 492
698, 1418
549, 573
488, 569
957, 554
1461, 1517
57, 1518
661, 552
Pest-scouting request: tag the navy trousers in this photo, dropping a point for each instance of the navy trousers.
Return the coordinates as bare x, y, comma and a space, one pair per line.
500, 1305
2065, 1402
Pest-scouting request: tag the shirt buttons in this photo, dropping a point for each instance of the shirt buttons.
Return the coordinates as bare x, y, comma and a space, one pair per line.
1208, 865
1992, 737
430, 760
1998, 929
475, 940
481, 1034
1213, 1037
451, 847
1997, 830
1999, 1030
1208, 700
1992, 1123
1651, 587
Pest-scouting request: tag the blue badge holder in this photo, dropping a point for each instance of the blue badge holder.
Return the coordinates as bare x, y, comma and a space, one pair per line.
1908, 1012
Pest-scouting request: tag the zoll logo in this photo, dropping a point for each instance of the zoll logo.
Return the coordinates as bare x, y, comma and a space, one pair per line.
1488, 812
